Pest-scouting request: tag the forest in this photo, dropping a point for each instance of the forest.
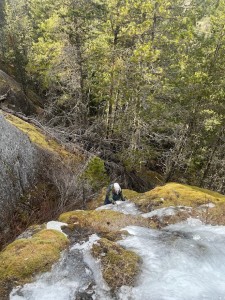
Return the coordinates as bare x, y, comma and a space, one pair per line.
139, 83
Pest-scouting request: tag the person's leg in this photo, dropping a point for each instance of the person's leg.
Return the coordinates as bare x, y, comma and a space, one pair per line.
107, 201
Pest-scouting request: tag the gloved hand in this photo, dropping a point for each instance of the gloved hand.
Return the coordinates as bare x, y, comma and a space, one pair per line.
113, 202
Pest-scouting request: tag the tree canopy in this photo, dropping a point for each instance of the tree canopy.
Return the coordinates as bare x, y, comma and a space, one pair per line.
141, 82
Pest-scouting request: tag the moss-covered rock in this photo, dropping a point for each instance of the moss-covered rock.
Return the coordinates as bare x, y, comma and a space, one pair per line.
36, 172
31, 230
24, 258
40, 139
19, 166
114, 235
119, 266
173, 194
130, 194
103, 220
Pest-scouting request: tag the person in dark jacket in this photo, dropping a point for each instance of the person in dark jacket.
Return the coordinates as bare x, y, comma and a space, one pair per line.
113, 194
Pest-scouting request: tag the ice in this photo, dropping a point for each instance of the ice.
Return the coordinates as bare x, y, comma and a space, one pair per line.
125, 207
86, 246
181, 262
76, 273
60, 284
166, 211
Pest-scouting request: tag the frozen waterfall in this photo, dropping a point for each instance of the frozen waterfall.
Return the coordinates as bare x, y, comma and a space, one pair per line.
185, 261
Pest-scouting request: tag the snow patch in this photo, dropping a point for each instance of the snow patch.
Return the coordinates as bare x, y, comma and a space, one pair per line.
56, 225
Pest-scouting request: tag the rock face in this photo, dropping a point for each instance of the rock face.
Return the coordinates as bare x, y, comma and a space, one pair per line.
18, 158
13, 96
38, 176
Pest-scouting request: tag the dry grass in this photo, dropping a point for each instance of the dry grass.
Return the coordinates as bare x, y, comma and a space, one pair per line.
213, 216
97, 201
151, 176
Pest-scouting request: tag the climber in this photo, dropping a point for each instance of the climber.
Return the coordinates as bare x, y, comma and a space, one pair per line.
113, 194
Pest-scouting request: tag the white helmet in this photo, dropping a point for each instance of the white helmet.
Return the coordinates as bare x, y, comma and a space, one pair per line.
117, 188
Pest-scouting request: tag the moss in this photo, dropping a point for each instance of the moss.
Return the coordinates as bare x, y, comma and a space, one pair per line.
119, 266
23, 258
38, 137
173, 194
103, 220
130, 194
114, 235
95, 173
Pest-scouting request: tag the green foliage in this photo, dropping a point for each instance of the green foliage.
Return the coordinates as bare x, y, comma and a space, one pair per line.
150, 72
96, 174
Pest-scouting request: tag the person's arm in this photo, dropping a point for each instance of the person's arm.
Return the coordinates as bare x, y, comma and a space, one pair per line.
110, 195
